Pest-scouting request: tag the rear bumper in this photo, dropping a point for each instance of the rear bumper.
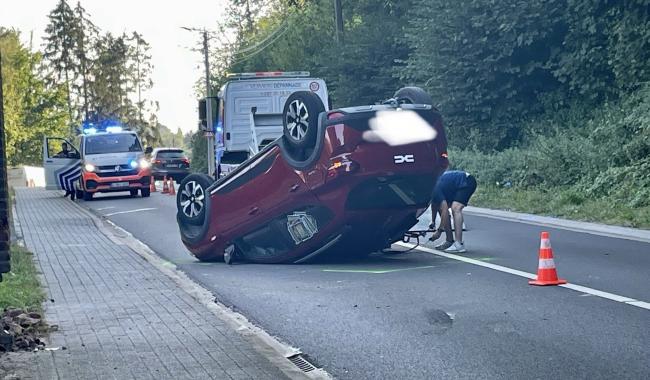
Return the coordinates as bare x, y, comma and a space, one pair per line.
175, 172
93, 183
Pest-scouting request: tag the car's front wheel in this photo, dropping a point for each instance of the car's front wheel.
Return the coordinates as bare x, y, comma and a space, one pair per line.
145, 191
191, 198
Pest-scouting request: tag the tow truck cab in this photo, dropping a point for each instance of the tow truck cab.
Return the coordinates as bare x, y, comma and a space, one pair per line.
108, 160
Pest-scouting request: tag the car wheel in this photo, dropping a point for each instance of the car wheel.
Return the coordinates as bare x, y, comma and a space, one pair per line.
87, 196
79, 194
413, 95
145, 191
133, 192
191, 197
300, 119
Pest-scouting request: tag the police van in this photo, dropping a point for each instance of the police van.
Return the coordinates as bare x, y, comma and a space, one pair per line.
109, 159
249, 112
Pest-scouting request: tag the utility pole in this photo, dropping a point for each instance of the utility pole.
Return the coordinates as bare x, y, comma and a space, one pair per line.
4, 193
338, 11
208, 107
208, 100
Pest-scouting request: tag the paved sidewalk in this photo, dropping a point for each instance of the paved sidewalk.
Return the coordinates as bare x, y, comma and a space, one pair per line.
118, 316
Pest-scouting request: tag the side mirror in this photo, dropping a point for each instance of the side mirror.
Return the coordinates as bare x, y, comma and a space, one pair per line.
148, 150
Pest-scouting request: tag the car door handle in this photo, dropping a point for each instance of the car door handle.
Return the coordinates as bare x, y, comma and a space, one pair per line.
49, 161
294, 188
253, 211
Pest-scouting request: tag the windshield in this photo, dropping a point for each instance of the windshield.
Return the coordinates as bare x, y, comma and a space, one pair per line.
112, 143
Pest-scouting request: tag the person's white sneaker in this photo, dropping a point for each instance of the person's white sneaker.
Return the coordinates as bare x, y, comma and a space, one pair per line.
457, 247
445, 245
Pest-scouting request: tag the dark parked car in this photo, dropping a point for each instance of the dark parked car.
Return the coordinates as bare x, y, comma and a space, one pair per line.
334, 179
170, 162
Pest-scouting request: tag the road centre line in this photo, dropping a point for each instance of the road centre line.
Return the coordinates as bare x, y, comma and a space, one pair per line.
578, 288
130, 211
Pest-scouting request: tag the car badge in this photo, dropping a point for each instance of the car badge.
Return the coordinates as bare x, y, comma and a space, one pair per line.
117, 168
407, 158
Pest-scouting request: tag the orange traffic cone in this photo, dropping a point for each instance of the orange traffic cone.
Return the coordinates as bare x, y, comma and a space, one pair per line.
172, 189
152, 185
546, 272
165, 186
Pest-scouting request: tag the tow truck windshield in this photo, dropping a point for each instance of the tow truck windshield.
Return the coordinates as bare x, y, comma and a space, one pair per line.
112, 143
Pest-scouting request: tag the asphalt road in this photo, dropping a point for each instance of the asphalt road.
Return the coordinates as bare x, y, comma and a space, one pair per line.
422, 316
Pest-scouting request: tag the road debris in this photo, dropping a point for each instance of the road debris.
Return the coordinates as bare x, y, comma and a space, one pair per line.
21, 330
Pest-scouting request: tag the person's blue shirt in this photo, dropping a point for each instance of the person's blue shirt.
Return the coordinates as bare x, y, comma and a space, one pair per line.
447, 185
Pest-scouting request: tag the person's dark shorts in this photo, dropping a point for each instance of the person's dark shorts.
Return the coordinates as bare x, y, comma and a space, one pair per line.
463, 194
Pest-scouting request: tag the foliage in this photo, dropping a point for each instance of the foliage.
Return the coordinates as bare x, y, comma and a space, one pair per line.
20, 288
199, 149
606, 157
32, 108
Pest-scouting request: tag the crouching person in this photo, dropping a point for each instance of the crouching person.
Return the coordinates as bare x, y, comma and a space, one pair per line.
453, 190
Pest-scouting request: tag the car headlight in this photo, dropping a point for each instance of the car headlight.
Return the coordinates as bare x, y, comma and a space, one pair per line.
89, 167
144, 164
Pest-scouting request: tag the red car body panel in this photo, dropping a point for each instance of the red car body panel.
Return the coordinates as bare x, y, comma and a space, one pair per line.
358, 193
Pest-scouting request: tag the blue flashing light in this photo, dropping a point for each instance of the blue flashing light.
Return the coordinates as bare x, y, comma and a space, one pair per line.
133, 164
90, 131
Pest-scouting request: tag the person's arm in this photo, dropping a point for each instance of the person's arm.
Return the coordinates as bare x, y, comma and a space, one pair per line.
445, 221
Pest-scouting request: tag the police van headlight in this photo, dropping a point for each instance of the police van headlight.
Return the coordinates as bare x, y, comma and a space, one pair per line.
144, 164
89, 168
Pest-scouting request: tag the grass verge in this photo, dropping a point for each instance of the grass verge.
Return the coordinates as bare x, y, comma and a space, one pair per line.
564, 203
21, 288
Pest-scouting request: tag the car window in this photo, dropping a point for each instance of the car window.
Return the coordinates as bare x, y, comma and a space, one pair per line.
171, 154
55, 149
112, 143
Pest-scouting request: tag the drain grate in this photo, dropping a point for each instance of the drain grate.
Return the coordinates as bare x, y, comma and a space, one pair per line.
301, 363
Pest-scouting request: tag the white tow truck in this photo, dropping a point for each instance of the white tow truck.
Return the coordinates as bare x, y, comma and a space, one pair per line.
249, 113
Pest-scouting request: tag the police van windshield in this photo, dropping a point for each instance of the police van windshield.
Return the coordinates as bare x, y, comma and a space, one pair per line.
112, 143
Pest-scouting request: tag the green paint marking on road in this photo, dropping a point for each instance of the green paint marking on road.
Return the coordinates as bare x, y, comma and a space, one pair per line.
168, 264
375, 271
485, 258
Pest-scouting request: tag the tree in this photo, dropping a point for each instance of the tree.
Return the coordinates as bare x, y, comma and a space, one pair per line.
85, 33
60, 49
32, 108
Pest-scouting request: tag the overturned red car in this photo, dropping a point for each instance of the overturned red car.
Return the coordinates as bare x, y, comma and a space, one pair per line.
352, 180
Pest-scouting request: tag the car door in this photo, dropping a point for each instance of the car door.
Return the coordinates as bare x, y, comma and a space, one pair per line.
61, 170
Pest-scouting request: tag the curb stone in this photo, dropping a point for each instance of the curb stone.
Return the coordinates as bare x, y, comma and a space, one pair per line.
572, 225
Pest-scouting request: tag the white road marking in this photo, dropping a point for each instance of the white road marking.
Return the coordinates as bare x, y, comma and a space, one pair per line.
578, 288
130, 211
105, 208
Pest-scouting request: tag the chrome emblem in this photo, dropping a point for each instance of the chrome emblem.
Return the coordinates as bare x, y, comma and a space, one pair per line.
117, 168
407, 158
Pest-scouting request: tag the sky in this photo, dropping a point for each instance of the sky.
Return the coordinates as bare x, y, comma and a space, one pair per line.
176, 67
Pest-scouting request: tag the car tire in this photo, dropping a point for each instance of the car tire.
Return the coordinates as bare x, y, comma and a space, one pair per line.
87, 196
300, 119
145, 191
134, 192
191, 198
413, 95
79, 194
